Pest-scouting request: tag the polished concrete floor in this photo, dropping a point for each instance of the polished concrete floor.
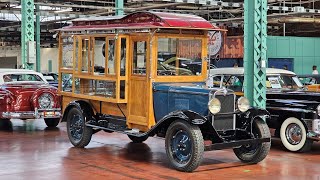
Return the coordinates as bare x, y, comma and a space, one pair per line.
29, 150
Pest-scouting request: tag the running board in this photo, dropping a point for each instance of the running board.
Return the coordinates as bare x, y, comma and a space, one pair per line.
126, 131
233, 144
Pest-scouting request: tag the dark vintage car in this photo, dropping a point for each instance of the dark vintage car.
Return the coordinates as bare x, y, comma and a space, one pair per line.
51, 78
25, 94
294, 111
311, 82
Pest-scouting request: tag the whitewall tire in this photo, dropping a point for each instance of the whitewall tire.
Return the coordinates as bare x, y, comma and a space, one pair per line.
293, 135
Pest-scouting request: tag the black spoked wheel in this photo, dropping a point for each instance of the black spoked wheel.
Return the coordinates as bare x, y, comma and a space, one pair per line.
136, 139
255, 153
52, 122
79, 134
184, 145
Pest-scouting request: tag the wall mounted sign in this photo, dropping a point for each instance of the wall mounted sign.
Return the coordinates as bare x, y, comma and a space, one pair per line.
214, 42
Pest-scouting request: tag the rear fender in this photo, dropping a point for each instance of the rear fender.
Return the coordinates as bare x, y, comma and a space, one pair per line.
6, 100
83, 106
56, 98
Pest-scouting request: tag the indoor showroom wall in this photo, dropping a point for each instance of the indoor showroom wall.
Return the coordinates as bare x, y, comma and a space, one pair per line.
46, 54
304, 51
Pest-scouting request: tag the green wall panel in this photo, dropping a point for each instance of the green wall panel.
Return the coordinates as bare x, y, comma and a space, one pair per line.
293, 47
317, 50
308, 47
304, 50
283, 47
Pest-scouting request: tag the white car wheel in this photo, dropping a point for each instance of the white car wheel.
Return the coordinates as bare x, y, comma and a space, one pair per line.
293, 134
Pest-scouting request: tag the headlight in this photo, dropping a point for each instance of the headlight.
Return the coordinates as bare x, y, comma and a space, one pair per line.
214, 106
45, 101
318, 110
243, 104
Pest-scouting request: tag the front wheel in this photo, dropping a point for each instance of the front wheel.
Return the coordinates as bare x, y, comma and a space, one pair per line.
293, 135
255, 153
52, 122
184, 145
79, 134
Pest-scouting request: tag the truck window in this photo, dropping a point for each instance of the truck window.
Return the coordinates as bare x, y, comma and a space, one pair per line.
184, 59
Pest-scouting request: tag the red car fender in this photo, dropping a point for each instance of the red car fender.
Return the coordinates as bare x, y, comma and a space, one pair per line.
56, 98
7, 98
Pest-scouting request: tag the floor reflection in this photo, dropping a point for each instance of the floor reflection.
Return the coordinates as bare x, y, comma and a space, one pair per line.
137, 152
6, 125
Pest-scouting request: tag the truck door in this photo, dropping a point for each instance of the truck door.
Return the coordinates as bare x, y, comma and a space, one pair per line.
139, 84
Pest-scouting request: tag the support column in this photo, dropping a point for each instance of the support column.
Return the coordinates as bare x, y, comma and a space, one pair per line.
27, 31
255, 46
38, 31
119, 7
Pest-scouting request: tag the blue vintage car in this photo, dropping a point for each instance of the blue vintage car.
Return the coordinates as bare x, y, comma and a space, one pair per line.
52, 78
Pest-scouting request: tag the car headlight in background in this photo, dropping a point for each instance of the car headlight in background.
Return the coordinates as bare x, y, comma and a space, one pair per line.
45, 101
243, 104
318, 110
214, 106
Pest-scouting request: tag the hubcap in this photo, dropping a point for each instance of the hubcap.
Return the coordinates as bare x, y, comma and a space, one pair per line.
294, 134
181, 147
76, 127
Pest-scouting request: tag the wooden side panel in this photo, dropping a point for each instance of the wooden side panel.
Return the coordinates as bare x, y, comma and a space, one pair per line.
106, 107
138, 101
138, 93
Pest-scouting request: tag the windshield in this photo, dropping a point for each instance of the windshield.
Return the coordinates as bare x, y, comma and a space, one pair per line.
8, 78
272, 82
283, 81
179, 57
49, 78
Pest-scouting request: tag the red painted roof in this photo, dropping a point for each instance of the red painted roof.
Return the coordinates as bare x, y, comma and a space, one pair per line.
142, 20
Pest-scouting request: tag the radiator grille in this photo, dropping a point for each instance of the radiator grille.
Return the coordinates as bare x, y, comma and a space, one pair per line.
227, 103
227, 121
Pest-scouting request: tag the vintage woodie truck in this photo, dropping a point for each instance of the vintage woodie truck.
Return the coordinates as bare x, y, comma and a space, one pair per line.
112, 79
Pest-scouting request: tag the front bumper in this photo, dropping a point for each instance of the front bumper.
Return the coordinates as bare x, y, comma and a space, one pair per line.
313, 126
38, 113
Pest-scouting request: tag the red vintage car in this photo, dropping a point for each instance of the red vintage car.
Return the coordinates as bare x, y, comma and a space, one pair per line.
25, 94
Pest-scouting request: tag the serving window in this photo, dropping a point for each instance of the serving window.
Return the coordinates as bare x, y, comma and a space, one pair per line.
95, 66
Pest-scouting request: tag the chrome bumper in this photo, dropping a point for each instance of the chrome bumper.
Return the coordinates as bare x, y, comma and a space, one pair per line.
38, 113
313, 126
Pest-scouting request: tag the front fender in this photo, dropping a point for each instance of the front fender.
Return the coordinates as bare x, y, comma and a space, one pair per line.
254, 112
187, 115
244, 120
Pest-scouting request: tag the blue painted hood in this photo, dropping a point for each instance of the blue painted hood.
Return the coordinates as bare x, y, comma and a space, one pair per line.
193, 88
169, 97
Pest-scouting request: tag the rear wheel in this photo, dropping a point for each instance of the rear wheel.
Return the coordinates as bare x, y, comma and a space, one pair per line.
254, 153
184, 145
79, 134
293, 135
52, 122
136, 139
